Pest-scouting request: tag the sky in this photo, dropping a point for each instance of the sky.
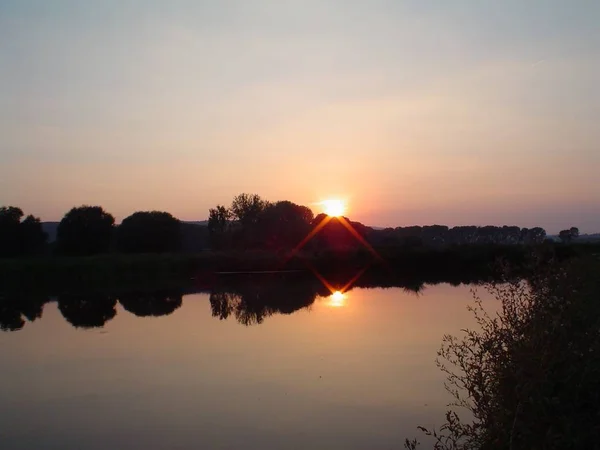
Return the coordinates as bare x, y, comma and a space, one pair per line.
451, 112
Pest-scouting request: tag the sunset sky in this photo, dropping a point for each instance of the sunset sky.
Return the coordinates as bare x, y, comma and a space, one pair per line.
414, 111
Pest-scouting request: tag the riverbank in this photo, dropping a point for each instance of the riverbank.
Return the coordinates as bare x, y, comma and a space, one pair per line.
455, 263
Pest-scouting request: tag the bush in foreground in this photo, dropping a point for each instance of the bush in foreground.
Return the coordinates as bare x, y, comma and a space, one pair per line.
531, 376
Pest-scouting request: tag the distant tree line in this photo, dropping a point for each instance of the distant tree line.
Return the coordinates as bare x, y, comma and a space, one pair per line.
249, 222
252, 222
89, 230
440, 235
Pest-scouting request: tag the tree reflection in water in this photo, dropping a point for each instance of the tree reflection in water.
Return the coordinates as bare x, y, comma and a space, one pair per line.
251, 301
158, 303
87, 311
16, 309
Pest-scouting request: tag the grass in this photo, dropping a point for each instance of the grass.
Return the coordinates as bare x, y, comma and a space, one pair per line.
473, 262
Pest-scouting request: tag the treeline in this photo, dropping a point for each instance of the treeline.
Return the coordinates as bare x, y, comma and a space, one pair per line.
440, 235
250, 222
89, 230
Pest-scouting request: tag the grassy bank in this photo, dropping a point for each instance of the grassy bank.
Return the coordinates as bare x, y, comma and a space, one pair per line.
470, 262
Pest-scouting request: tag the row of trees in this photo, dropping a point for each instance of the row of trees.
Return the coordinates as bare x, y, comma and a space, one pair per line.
249, 222
252, 222
439, 235
89, 230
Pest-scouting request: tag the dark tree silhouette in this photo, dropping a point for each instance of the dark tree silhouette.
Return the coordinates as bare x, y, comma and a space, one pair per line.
160, 303
10, 220
284, 224
33, 237
149, 232
85, 230
87, 311
567, 236
574, 232
218, 225
439, 235
534, 235
246, 208
20, 237
218, 219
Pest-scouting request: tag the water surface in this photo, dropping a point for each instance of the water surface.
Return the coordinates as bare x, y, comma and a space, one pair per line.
352, 372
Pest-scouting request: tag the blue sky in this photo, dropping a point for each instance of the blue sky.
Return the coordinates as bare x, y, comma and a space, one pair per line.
415, 112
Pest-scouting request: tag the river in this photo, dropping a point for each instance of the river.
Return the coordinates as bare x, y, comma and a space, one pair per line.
347, 371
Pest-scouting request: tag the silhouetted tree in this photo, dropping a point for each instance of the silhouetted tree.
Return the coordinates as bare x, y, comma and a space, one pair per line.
87, 311
537, 235
246, 208
567, 236
574, 232
218, 225
33, 237
160, 303
533, 236
237, 226
149, 232
20, 237
10, 220
284, 224
85, 230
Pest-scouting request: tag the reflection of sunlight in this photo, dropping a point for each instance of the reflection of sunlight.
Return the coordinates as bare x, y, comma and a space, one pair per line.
337, 299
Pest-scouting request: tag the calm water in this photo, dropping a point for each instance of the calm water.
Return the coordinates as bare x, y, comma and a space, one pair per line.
344, 373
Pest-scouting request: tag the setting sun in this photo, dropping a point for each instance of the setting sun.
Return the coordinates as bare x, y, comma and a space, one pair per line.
337, 299
333, 207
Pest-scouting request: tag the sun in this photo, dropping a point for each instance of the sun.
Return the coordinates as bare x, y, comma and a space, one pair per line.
337, 299
334, 207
